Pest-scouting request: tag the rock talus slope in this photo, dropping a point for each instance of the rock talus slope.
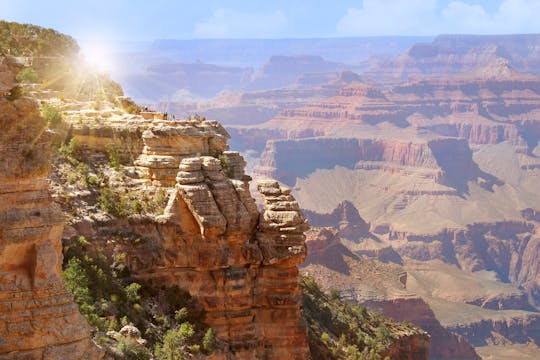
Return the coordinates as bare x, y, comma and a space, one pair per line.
38, 318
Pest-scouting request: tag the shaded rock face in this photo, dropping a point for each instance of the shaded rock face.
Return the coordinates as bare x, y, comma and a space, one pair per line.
411, 347
345, 215
519, 329
447, 161
39, 319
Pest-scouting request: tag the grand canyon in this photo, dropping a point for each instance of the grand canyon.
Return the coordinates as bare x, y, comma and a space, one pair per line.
336, 198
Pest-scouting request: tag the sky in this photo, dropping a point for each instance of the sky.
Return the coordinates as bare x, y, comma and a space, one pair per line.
144, 20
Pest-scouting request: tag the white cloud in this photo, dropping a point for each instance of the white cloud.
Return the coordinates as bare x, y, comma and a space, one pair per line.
416, 17
389, 17
226, 23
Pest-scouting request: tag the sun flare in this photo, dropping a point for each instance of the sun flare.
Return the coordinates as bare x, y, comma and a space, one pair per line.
98, 56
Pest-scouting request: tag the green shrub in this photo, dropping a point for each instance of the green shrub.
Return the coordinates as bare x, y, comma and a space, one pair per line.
174, 342
209, 341
133, 351
132, 292
334, 294
112, 154
27, 75
181, 314
53, 115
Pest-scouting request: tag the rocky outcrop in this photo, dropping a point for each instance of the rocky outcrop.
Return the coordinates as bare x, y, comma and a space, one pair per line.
345, 215
38, 318
409, 347
166, 143
239, 263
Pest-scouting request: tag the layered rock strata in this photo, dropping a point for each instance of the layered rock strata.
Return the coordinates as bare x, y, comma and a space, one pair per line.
166, 143
38, 318
240, 264
439, 160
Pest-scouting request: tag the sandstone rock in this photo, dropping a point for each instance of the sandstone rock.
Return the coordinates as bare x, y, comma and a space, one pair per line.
38, 318
167, 143
240, 265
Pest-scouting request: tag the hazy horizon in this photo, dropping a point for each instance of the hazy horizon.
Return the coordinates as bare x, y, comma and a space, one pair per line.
133, 21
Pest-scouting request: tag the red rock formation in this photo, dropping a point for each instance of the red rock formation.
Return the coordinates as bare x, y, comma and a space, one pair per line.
241, 265
488, 106
39, 319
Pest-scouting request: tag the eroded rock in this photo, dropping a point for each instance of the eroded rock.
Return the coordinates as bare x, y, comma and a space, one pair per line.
38, 318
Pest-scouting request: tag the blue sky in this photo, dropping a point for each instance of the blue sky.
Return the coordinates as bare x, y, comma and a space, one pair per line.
147, 20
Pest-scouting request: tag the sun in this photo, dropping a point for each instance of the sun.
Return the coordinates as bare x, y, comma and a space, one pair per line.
98, 56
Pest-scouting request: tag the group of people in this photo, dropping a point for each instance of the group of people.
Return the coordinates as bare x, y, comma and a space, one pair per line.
165, 115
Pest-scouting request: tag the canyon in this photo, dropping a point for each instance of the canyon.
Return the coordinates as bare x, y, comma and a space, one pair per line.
211, 240
206, 239
443, 169
417, 174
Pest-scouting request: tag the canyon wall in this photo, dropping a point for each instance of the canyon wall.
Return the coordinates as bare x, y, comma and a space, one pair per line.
446, 161
38, 318
454, 54
508, 248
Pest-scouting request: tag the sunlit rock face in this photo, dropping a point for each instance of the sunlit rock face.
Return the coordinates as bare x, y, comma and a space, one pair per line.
239, 263
38, 318
167, 143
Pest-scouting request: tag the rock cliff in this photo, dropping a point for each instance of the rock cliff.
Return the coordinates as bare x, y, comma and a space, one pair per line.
238, 263
39, 319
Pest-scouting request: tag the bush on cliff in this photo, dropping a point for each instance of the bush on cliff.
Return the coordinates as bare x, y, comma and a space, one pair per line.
109, 298
27, 75
53, 115
339, 330
31, 40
